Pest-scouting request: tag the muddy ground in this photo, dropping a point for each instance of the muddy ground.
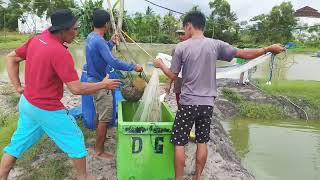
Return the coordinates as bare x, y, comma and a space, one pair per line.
222, 164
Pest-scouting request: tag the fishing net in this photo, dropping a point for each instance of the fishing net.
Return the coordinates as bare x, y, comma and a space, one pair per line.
133, 90
150, 107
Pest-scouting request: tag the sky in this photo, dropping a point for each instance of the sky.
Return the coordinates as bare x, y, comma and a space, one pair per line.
245, 9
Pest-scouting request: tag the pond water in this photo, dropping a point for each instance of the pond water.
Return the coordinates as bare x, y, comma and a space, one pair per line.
277, 150
274, 150
290, 67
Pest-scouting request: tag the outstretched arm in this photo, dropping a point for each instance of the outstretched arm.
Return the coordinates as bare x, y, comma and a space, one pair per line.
254, 53
79, 88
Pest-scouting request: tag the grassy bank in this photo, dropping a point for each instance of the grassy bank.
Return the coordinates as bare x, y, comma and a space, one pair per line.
252, 110
309, 46
8, 124
12, 40
304, 50
8, 119
304, 93
44, 161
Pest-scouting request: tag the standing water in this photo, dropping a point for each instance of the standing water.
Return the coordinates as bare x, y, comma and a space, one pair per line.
277, 150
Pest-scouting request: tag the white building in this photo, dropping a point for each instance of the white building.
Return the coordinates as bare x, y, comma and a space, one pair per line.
306, 17
31, 23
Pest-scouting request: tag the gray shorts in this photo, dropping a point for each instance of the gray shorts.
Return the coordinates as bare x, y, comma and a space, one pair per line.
103, 102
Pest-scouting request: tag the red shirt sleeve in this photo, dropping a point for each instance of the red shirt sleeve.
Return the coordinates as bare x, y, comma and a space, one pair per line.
23, 49
64, 66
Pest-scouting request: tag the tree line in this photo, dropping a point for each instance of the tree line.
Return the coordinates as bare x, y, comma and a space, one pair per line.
278, 25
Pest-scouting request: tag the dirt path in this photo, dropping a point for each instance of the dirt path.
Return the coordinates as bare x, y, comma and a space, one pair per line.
4, 52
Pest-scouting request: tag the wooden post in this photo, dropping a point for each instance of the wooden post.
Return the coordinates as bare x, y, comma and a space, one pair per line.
121, 15
113, 23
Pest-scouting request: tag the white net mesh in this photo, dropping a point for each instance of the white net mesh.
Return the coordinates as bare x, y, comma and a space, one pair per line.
150, 107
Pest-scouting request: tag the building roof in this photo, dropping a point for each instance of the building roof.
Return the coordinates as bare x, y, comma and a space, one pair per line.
307, 12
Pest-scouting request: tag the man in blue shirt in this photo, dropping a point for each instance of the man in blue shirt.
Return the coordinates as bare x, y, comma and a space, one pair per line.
100, 63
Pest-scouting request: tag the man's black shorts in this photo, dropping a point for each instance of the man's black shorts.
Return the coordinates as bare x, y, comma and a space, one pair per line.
186, 116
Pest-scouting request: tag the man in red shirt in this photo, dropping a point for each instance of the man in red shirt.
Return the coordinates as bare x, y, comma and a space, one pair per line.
48, 66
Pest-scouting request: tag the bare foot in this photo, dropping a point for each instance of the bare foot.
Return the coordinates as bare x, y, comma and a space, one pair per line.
104, 156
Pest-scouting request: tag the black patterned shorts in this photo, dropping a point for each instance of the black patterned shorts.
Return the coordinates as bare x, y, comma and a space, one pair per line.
186, 116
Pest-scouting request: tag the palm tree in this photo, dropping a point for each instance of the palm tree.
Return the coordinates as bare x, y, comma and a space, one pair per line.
1, 3
149, 11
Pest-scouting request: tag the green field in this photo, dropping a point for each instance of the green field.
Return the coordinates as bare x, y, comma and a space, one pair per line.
12, 40
306, 90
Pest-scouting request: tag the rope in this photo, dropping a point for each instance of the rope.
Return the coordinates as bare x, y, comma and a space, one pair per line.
137, 44
130, 76
142, 74
271, 65
305, 113
295, 105
164, 7
273, 58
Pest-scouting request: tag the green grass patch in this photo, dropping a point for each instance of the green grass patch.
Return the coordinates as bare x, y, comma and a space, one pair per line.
47, 168
12, 40
304, 47
232, 96
253, 110
304, 50
162, 78
50, 169
8, 124
303, 91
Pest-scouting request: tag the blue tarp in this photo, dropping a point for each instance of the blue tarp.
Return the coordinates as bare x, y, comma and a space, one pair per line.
89, 111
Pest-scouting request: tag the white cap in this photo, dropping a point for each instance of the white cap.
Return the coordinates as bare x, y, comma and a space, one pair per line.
180, 31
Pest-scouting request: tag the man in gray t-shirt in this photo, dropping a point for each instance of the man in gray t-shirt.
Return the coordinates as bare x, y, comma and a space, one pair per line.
197, 58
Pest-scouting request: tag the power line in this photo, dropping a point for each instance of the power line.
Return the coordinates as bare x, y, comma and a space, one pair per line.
164, 7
